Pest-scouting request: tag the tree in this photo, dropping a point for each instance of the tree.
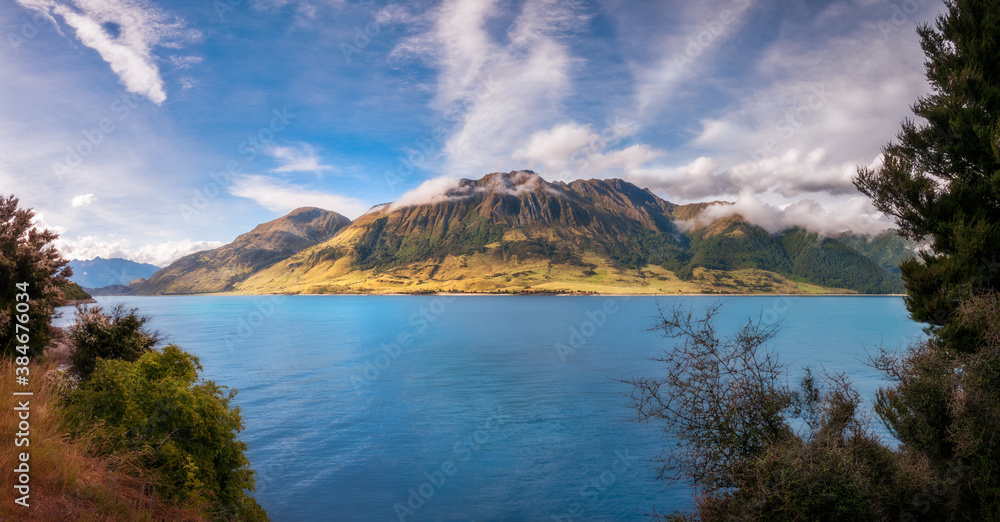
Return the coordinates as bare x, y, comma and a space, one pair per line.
754, 448
27, 259
941, 179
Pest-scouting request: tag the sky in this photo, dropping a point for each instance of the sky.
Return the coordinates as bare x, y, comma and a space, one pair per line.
151, 129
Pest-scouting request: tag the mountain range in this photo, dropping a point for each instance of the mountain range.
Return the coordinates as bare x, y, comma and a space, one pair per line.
515, 232
100, 272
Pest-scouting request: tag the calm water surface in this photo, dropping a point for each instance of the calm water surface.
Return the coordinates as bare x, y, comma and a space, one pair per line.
474, 408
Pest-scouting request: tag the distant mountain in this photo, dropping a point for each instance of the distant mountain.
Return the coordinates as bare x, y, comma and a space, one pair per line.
99, 272
516, 232
732, 244
111, 290
223, 268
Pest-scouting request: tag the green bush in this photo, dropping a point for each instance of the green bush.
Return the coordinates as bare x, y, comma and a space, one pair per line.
185, 427
118, 335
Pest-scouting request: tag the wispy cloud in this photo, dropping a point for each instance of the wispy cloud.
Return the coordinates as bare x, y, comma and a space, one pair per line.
853, 215
495, 90
299, 158
280, 196
124, 33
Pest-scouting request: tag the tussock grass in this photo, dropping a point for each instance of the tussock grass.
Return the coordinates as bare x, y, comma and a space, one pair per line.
69, 481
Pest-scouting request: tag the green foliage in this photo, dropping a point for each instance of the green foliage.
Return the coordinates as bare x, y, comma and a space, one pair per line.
25, 257
795, 253
646, 247
118, 335
724, 402
886, 249
739, 246
380, 248
73, 291
941, 180
829, 262
945, 408
185, 427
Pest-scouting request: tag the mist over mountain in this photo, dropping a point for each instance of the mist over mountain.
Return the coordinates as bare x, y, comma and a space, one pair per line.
515, 232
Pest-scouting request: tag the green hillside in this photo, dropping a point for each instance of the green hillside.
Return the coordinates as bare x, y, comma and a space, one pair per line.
516, 232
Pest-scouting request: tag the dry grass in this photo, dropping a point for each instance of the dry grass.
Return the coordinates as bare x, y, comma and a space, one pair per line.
69, 479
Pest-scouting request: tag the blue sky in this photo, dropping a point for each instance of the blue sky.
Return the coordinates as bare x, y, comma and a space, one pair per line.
150, 129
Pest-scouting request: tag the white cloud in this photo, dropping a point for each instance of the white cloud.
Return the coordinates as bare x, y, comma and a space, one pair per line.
185, 62
40, 223
301, 158
696, 180
280, 196
792, 174
442, 189
431, 191
687, 52
124, 33
855, 215
573, 150
495, 89
159, 254
82, 200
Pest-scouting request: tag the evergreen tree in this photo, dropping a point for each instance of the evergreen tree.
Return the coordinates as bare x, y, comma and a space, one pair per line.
941, 180
32, 272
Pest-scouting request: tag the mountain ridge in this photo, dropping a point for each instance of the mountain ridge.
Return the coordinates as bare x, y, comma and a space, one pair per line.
516, 232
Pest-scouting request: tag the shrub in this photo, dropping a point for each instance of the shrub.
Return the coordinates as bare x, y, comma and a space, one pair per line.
185, 427
756, 449
119, 334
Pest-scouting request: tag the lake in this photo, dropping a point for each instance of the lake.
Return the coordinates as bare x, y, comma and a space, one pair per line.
475, 407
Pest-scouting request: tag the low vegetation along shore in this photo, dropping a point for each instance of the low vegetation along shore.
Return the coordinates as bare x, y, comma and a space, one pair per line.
102, 423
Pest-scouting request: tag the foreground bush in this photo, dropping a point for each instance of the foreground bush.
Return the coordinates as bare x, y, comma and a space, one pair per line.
119, 334
755, 448
152, 404
184, 428
134, 400
71, 479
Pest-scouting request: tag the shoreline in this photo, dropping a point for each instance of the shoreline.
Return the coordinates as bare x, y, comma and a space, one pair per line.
487, 294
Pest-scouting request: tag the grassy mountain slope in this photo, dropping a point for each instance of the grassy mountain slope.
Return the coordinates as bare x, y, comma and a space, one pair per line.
220, 269
515, 232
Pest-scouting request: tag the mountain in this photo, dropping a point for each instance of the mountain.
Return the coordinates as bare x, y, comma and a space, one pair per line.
221, 269
111, 290
99, 272
516, 232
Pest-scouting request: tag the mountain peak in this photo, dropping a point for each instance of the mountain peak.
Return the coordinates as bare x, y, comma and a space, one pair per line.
515, 183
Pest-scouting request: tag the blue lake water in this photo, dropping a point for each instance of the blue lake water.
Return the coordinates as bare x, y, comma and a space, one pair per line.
474, 408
